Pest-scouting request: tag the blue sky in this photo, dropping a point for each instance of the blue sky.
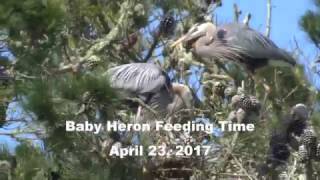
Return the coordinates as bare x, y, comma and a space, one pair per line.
284, 28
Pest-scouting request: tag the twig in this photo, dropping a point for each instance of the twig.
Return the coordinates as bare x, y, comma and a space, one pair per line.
152, 47
243, 85
230, 148
291, 173
228, 174
242, 168
212, 7
193, 110
236, 12
222, 66
144, 105
269, 11
309, 170
175, 169
246, 20
221, 77
300, 52
25, 76
290, 93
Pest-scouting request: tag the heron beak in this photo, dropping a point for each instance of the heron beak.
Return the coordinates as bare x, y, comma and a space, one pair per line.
188, 37
180, 40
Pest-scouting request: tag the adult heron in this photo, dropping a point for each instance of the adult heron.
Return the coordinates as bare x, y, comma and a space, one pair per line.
236, 42
152, 85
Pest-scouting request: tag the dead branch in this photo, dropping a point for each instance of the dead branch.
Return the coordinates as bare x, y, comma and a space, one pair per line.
152, 47
246, 20
269, 11
243, 169
237, 12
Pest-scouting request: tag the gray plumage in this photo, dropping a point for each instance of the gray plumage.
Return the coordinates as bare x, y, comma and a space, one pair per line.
251, 43
235, 42
138, 77
152, 85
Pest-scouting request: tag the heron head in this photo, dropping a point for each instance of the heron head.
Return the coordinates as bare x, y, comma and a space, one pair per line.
186, 95
195, 32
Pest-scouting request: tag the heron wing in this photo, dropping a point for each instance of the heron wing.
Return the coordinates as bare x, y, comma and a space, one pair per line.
159, 102
138, 78
251, 42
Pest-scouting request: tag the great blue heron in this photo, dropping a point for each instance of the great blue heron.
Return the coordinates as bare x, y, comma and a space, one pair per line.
235, 42
152, 85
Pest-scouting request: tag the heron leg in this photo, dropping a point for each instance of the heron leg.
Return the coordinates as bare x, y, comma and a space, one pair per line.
264, 84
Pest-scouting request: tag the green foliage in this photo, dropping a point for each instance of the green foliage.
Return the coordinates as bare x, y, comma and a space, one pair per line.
28, 162
73, 87
40, 101
63, 68
35, 16
5, 157
310, 22
32, 163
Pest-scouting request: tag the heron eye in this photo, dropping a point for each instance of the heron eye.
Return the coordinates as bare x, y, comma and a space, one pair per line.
195, 29
221, 33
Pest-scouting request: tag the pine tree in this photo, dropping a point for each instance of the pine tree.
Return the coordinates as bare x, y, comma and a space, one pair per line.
310, 23
63, 49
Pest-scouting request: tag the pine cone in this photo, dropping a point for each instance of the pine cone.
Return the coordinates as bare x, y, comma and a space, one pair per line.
256, 105
219, 88
303, 154
309, 138
245, 103
300, 112
167, 25
317, 158
296, 127
313, 150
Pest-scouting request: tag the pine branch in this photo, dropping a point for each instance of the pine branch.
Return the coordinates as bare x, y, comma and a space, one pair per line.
90, 55
243, 169
152, 47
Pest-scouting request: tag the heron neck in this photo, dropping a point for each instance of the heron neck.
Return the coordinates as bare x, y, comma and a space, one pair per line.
181, 98
202, 47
